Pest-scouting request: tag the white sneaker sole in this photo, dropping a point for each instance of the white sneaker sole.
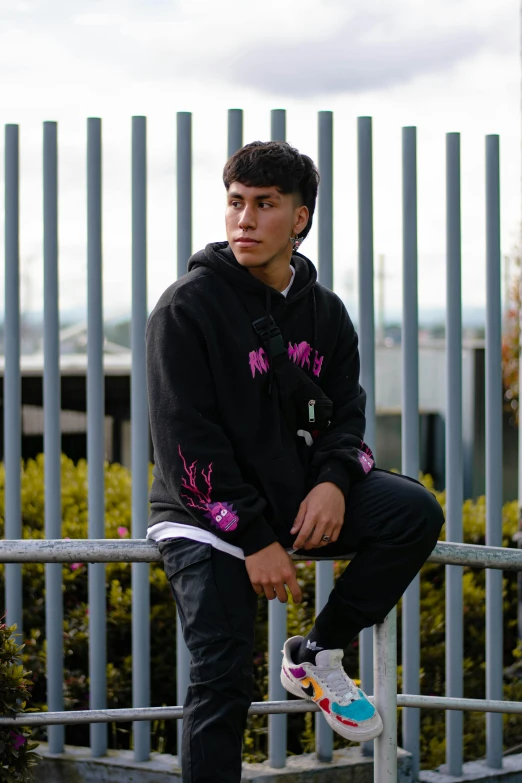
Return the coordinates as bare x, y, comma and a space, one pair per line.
369, 731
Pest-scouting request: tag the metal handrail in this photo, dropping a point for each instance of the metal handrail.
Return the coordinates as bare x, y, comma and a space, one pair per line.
295, 706
385, 697
116, 550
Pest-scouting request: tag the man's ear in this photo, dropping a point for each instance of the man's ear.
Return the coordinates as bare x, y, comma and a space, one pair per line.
301, 221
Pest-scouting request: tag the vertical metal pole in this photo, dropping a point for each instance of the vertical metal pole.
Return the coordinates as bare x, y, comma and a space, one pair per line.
366, 341
324, 570
184, 228
235, 131
12, 382
52, 436
140, 438
494, 641
454, 474
519, 536
410, 429
182, 677
325, 202
519, 541
96, 434
277, 724
385, 674
324, 582
184, 189
278, 125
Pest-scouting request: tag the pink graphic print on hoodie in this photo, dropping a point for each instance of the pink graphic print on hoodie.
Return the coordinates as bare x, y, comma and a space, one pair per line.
222, 515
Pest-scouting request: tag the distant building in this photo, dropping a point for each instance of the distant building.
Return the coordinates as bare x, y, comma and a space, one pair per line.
432, 393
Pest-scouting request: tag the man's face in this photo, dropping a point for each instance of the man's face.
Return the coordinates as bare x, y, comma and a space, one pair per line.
260, 222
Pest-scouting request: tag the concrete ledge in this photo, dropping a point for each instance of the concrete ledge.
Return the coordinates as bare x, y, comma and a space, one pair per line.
76, 765
348, 765
479, 771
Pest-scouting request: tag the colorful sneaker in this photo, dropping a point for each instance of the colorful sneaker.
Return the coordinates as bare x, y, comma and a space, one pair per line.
344, 705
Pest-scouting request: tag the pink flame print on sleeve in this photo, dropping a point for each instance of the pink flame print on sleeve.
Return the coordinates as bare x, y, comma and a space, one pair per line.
221, 515
366, 458
299, 353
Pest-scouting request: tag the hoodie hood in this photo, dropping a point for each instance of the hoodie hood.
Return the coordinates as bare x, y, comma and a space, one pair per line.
218, 257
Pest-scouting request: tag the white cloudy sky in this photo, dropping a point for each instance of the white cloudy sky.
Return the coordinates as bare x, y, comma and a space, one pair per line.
447, 65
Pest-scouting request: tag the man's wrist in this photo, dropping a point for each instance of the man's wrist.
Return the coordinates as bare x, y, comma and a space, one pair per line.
260, 551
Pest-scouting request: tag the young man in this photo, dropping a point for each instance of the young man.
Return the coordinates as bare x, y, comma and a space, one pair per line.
249, 466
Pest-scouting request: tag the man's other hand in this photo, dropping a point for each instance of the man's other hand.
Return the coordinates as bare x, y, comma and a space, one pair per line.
320, 514
270, 570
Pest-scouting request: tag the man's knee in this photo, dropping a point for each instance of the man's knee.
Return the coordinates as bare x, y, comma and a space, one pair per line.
427, 515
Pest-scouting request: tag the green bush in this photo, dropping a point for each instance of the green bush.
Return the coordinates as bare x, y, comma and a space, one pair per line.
163, 646
17, 752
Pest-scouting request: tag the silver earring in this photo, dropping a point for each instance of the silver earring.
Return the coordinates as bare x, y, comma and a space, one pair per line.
296, 241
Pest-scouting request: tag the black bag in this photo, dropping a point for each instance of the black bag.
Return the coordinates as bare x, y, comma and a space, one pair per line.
305, 406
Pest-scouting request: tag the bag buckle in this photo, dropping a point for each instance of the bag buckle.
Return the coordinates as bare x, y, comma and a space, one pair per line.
269, 332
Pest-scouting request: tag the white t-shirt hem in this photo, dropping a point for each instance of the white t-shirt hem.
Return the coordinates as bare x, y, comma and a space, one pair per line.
162, 530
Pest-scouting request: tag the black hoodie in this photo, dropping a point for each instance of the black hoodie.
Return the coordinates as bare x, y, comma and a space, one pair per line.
225, 459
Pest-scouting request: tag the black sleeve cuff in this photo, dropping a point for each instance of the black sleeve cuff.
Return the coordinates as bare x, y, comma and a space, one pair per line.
335, 471
256, 536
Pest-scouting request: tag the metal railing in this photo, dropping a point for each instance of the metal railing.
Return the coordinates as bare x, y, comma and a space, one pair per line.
139, 418
385, 695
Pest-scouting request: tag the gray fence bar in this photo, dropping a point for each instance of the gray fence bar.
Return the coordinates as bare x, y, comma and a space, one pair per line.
277, 724
52, 436
366, 325
12, 381
325, 200
235, 131
324, 570
96, 433
295, 706
141, 551
410, 427
454, 470
366, 329
182, 675
324, 582
184, 189
184, 250
140, 437
278, 125
494, 635
385, 699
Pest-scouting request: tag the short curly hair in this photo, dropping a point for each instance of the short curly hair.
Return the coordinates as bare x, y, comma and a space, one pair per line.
275, 163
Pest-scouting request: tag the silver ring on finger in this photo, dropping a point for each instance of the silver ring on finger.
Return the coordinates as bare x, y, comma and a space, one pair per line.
326, 539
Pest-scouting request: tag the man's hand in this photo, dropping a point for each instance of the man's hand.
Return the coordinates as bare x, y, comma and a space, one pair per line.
320, 514
270, 570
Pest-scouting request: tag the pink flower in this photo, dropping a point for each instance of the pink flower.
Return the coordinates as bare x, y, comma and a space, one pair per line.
122, 532
18, 740
76, 566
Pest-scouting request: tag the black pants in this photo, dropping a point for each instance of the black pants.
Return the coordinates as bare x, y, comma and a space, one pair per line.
391, 522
